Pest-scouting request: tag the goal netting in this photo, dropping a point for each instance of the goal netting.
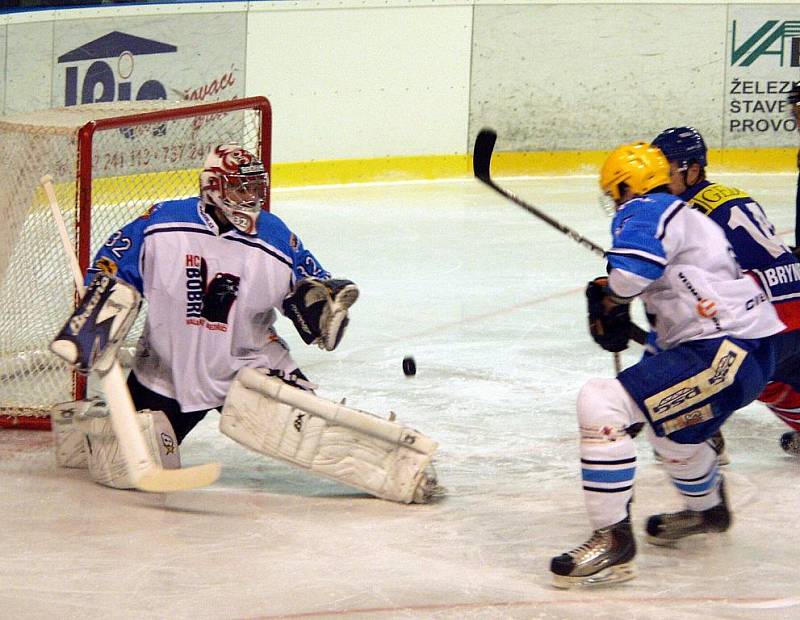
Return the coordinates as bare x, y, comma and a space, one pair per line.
109, 162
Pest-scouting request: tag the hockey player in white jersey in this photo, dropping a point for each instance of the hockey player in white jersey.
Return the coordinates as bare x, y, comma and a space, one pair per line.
214, 269
714, 328
213, 272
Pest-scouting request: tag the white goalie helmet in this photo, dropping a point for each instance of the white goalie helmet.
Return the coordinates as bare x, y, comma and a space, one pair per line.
235, 182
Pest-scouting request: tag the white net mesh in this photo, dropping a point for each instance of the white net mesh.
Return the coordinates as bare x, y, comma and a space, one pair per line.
142, 153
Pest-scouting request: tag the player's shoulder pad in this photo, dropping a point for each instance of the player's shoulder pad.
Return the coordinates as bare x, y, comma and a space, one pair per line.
182, 210
645, 213
272, 230
640, 225
715, 195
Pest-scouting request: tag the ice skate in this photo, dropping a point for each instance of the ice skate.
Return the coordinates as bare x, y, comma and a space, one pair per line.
790, 442
606, 558
670, 527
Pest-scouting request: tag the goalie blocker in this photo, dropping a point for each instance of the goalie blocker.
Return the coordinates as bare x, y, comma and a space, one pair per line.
95, 331
381, 457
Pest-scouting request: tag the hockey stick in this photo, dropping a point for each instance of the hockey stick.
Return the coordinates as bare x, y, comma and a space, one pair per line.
145, 474
481, 164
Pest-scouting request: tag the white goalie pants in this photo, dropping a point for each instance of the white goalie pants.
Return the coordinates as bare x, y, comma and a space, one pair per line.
608, 456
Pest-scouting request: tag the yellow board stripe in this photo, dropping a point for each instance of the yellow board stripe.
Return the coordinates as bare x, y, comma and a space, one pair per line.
503, 164
431, 167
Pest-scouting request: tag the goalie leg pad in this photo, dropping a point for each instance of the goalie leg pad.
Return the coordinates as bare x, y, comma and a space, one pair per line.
106, 463
68, 438
94, 333
359, 449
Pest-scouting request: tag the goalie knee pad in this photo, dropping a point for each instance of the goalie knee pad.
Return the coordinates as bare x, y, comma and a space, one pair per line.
378, 456
104, 457
68, 437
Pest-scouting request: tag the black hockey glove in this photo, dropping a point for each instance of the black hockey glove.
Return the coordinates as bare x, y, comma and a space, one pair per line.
609, 317
318, 309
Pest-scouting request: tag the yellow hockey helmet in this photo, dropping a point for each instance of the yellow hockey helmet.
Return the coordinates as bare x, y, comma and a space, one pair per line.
640, 166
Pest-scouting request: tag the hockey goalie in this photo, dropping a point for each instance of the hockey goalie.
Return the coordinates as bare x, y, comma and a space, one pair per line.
215, 271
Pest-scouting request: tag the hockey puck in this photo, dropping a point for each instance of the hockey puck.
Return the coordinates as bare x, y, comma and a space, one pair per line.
409, 366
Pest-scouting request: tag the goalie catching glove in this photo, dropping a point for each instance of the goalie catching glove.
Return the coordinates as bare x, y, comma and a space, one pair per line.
95, 331
318, 309
609, 316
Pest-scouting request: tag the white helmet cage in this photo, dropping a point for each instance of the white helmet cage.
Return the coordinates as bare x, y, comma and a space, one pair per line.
235, 182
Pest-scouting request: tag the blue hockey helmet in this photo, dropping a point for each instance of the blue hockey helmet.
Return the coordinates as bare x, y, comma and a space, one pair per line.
683, 145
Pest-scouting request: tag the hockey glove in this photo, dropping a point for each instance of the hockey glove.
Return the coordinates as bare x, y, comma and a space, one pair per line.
318, 309
609, 316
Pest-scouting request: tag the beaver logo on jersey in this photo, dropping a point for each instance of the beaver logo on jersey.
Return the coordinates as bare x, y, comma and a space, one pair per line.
219, 297
208, 303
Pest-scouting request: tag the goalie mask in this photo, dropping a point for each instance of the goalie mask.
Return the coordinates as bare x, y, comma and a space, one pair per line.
235, 182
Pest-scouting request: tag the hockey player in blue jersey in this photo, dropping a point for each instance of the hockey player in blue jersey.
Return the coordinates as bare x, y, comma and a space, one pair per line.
794, 110
714, 330
759, 250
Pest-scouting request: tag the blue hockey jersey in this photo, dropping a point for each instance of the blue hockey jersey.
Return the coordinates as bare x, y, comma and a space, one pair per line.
758, 248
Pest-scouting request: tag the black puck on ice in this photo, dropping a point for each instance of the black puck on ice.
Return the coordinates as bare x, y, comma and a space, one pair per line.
409, 366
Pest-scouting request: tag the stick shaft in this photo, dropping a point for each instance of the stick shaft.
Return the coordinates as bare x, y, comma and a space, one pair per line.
481, 164
137, 458
143, 471
481, 167
69, 251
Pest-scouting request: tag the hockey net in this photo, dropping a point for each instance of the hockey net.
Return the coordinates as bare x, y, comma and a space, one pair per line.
110, 163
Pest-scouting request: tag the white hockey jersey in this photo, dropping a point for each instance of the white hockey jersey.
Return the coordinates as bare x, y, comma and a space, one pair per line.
211, 297
680, 263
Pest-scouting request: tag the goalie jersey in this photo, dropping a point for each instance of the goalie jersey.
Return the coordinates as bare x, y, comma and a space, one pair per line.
759, 250
211, 297
681, 264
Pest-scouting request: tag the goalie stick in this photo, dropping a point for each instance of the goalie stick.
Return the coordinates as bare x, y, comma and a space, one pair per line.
481, 165
145, 474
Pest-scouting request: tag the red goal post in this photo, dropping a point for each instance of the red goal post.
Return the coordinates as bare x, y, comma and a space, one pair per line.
110, 162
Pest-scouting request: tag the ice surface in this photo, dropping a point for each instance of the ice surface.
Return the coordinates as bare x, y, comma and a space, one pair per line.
488, 299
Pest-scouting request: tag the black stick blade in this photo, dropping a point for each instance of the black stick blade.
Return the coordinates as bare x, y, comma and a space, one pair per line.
482, 157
